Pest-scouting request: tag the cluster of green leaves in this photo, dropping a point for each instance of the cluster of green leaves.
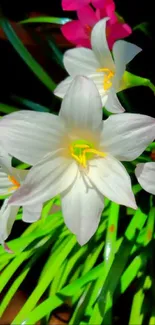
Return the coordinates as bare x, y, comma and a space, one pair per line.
91, 278
116, 263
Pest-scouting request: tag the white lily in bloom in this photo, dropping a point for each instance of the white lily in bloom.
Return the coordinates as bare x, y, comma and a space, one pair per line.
10, 181
80, 155
98, 65
145, 174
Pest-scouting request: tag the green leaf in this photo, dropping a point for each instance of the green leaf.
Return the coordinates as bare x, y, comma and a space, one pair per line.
131, 272
57, 53
152, 318
46, 19
108, 282
85, 293
131, 80
51, 303
81, 306
88, 265
45, 280
137, 315
25, 55
110, 247
28, 103
20, 278
137, 223
143, 27
12, 267
149, 227
7, 109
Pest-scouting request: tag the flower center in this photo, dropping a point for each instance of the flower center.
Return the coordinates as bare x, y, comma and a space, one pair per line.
107, 78
15, 183
82, 151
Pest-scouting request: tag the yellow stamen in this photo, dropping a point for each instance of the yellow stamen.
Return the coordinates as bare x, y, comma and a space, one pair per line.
84, 154
107, 78
15, 183
81, 146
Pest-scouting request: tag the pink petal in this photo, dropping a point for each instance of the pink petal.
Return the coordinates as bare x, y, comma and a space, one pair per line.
101, 4
84, 43
87, 16
107, 11
74, 32
117, 31
74, 4
120, 30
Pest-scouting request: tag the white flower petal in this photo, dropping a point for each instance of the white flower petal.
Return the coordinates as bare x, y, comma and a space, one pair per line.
125, 136
6, 170
100, 45
32, 213
29, 136
7, 218
145, 174
49, 177
80, 61
82, 206
112, 180
5, 162
113, 104
63, 87
5, 184
82, 107
123, 53
20, 174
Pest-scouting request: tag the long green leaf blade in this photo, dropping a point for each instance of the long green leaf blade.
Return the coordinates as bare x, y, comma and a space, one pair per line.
25, 55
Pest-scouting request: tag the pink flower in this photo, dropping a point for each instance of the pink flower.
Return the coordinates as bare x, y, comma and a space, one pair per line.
78, 31
77, 4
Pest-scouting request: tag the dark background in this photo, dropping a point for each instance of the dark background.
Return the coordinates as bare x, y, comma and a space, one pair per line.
17, 79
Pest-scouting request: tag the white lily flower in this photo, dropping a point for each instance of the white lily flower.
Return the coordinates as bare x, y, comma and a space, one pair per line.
145, 174
82, 155
10, 181
98, 65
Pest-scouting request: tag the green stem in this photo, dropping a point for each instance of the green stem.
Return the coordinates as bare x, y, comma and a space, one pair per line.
151, 86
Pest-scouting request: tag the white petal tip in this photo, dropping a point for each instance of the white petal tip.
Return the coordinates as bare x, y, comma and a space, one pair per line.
7, 249
57, 92
122, 110
138, 170
133, 205
119, 111
81, 241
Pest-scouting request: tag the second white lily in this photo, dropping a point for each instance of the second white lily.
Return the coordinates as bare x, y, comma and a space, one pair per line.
145, 174
98, 65
10, 181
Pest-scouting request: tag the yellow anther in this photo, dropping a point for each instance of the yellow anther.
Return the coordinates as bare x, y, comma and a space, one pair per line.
84, 154
107, 78
15, 183
81, 146
103, 70
96, 152
78, 159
